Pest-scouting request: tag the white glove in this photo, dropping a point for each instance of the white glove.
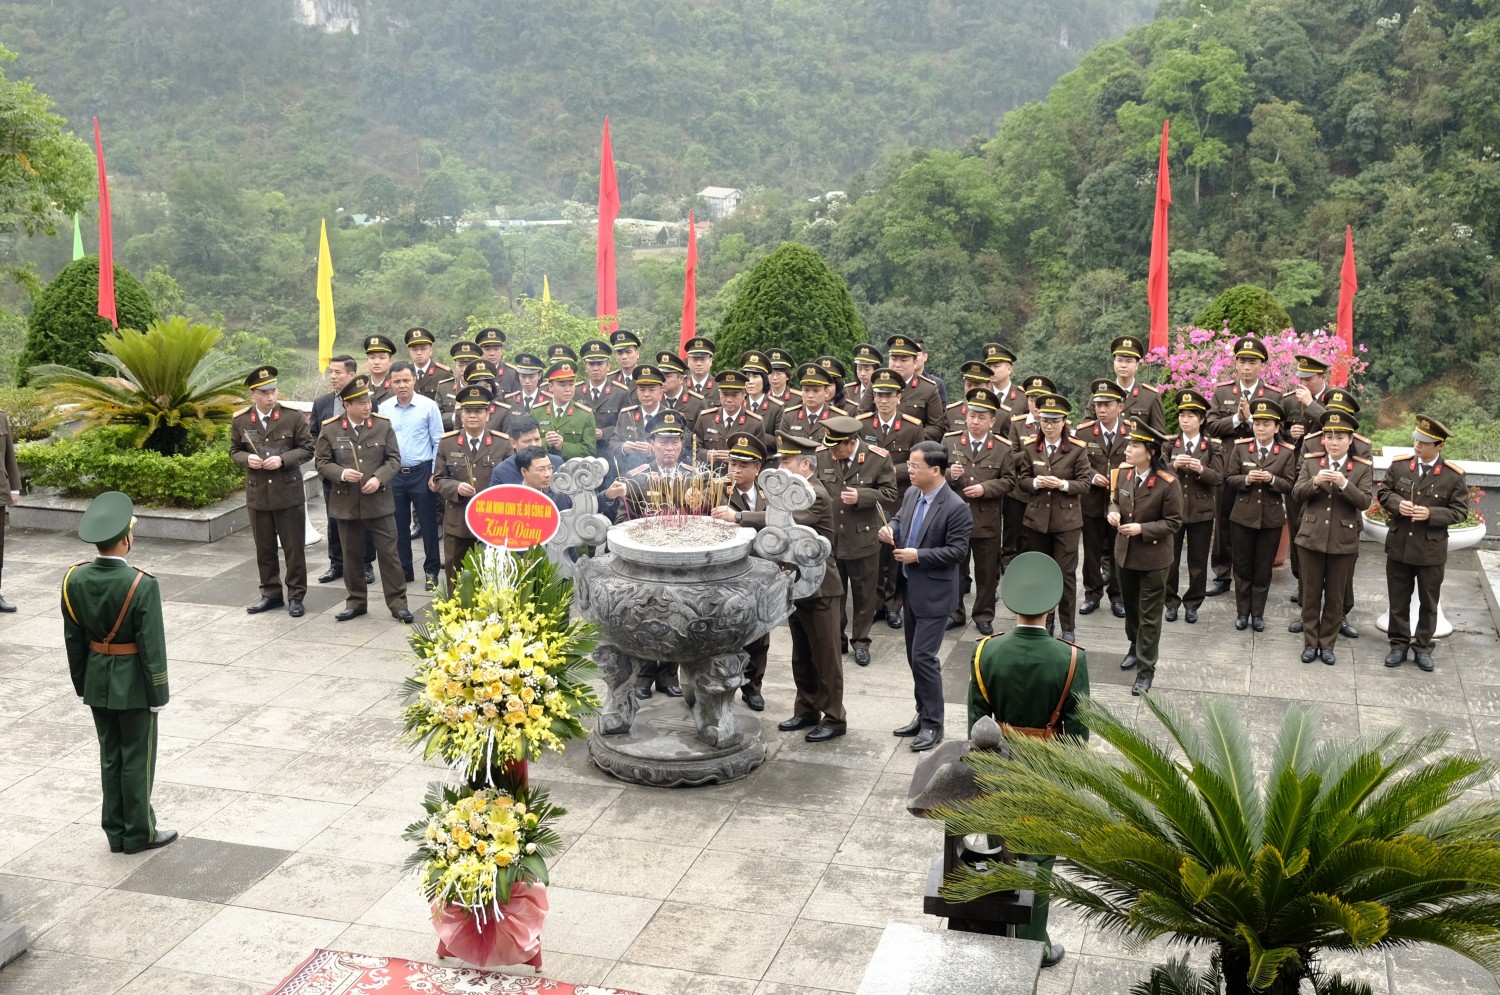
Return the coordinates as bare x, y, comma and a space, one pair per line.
159, 708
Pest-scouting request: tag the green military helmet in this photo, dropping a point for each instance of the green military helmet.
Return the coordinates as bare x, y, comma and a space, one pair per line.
108, 518
1033, 584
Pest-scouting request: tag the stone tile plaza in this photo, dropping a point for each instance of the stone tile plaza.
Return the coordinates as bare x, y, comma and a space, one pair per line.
279, 758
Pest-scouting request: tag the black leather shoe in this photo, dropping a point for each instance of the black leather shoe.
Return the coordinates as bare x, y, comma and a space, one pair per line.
755, 702
1348, 631
862, 655
1425, 662
117, 848
1258, 623
843, 645
264, 605
985, 628
1051, 627
1218, 587
332, 575
1295, 599
643, 693
910, 729
1130, 658
1118, 607
432, 582
1191, 616
797, 722
402, 615
1088, 607
349, 613
1142, 684
1171, 615
1069, 636
1309, 654
295, 609
926, 740
1296, 625
369, 576
670, 690
1327, 656
1054, 955
1395, 657
955, 623
163, 837
1242, 622
6, 606
893, 619
823, 734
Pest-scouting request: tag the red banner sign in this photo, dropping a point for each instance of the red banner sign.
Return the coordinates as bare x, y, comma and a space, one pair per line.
512, 516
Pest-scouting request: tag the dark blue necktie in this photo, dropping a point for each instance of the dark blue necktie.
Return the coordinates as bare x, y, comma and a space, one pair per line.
916, 527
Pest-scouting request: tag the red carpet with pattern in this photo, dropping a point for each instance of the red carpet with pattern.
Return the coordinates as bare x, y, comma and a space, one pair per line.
334, 972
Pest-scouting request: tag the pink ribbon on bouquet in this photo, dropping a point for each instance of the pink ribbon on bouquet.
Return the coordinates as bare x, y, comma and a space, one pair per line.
514, 939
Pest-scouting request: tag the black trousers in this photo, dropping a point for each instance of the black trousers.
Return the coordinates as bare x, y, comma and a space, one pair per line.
1400, 578
755, 669
1013, 531
924, 638
409, 488
1223, 558
817, 664
1145, 593
1099, 557
1198, 537
1254, 555
1063, 548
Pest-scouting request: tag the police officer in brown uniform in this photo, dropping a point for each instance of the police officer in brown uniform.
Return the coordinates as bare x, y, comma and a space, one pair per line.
700, 364
1023, 424
920, 399
1304, 411
491, 342
675, 394
782, 366
1001, 361
757, 369
1105, 438
1229, 419
1145, 509
1258, 471
463, 353
1339, 399
974, 374
630, 444
604, 396
271, 442
981, 469
379, 351
1198, 461
1139, 401
806, 419
859, 479
1053, 472
357, 451
626, 346
1424, 495
716, 426
462, 467
887, 428
531, 393
857, 396
747, 454
1333, 488
434, 380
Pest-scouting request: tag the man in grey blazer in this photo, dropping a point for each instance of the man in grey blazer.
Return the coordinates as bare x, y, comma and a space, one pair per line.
931, 539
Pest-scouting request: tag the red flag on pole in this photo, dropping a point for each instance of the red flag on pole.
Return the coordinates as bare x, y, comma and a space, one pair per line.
1156, 277
1348, 287
609, 210
106, 240
690, 289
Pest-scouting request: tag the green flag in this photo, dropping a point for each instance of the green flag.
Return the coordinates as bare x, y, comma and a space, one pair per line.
77, 238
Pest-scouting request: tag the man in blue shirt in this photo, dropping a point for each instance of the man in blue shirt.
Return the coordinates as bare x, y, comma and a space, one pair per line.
418, 424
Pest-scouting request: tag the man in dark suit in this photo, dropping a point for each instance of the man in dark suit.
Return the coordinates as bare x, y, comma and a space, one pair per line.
931, 538
341, 370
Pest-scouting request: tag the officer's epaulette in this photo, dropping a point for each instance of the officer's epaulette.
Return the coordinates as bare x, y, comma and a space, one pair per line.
792, 392
1168, 477
835, 407
1456, 467
640, 469
924, 376
1028, 440
1313, 455
630, 407
501, 435
377, 414
243, 410
330, 421
694, 393
583, 407
954, 432
867, 414
1086, 424
1360, 437
1369, 462
1246, 442
1226, 383
880, 452
449, 435
440, 366
444, 380
709, 411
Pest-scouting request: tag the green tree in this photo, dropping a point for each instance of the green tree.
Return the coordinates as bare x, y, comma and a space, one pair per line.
793, 299
64, 328
1284, 150
1247, 310
45, 172
1207, 84
1342, 845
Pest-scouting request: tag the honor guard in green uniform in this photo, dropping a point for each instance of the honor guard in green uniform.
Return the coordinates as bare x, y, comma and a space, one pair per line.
491, 342
357, 452
465, 460
379, 351
1424, 495
859, 479
117, 658
1031, 683
568, 428
1139, 401
982, 470
1145, 510
10, 489
271, 442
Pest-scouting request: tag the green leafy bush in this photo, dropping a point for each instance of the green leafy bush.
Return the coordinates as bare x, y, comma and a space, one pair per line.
791, 299
65, 327
1247, 310
103, 459
30, 418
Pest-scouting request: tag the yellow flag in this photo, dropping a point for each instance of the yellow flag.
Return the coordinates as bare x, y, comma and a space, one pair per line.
326, 331
546, 290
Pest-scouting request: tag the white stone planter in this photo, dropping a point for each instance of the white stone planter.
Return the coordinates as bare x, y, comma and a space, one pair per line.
1461, 538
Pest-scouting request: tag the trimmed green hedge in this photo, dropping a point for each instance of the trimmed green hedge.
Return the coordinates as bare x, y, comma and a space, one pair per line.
88, 464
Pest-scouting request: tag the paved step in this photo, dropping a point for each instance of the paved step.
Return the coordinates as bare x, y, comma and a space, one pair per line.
911, 960
12, 938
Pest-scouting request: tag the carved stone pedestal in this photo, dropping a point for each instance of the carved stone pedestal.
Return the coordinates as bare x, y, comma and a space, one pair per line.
662, 749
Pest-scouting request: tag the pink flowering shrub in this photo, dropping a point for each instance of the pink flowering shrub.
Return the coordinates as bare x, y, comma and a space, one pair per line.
1202, 358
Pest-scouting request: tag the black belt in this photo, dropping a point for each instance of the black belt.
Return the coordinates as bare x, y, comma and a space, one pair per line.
416, 466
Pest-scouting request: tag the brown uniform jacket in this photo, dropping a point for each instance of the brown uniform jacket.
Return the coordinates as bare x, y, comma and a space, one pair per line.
857, 526
438, 383
1200, 502
1360, 446
769, 410
380, 391
1225, 404
606, 404
1143, 402
803, 423
453, 465
369, 448
715, 428
1331, 517
688, 403
1050, 510
992, 468
1259, 505
954, 416
819, 517
1012, 402
1445, 491
500, 413
1157, 508
1102, 459
897, 441
284, 433
631, 427
1297, 413
10, 471
921, 402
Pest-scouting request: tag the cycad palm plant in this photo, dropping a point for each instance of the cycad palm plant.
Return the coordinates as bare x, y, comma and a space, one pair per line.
169, 382
1344, 845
